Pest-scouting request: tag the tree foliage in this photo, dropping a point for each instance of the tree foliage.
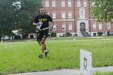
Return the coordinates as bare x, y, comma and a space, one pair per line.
5, 16
26, 14
102, 10
17, 14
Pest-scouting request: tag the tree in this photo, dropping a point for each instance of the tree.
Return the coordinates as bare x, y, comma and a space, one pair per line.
5, 17
17, 14
25, 15
102, 10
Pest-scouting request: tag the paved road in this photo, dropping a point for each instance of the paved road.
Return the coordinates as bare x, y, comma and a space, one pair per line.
67, 71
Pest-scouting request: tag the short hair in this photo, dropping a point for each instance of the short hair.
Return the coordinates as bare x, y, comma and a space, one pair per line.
42, 7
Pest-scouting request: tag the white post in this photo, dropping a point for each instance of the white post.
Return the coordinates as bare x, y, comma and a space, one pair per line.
85, 62
2, 39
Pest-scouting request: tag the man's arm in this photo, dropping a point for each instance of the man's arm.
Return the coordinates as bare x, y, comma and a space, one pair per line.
51, 25
35, 24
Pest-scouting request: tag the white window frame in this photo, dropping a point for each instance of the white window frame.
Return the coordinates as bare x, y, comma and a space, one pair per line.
70, 25
69, 3
63, 3
100, 26
54, 14
63, 14
78, 3
82, 13
63, 26
69, 14
108, 25
85, 3
46, 3
54, 27
94, 26
53, 3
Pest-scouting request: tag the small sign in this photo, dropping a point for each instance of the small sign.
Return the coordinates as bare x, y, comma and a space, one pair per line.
85, 62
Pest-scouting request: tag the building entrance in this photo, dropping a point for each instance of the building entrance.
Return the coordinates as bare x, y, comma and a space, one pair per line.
82, 26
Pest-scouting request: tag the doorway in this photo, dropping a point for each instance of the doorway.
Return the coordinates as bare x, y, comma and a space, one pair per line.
82, 26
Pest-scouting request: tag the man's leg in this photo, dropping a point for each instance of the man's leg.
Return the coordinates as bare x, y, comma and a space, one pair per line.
39, 37
43, 45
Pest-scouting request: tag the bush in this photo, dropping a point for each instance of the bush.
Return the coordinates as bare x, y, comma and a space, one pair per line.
53, 34
100, 33
68, 34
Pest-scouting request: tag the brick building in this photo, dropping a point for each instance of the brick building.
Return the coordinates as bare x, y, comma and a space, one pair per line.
75, 17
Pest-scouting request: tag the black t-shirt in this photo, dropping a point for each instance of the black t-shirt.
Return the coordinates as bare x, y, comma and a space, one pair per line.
43, 18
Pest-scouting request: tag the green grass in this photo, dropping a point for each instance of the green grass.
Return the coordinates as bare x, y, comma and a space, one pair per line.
110, 73
16, 57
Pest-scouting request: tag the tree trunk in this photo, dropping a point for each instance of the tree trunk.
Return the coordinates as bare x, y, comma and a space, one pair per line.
0, 38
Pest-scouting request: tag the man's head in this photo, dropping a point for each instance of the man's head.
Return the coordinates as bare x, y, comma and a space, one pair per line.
42, 11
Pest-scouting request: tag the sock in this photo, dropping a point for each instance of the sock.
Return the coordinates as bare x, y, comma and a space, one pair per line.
45, 50
42, 53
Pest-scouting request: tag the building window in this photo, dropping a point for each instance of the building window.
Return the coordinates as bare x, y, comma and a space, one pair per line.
84, 3
63, 26
54, 27
47, 3
70, 25
63, 14
69, 3
54, 14
78, 3
109, 25
82, 13
100, 26
53, 3
94, 26
69, 14
63, 3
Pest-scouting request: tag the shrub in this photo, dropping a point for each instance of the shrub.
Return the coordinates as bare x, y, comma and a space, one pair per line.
100, 33
53, 34
68, 34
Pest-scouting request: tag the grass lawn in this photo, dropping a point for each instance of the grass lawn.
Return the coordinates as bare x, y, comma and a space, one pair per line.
110, 73
18, 57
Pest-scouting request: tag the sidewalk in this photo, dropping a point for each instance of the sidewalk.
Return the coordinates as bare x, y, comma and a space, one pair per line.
67, 71
56, 72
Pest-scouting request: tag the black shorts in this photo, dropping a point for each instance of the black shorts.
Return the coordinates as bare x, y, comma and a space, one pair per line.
41, 34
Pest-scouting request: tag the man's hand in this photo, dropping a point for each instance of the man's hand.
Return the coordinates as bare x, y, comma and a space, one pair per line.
51, 28
38, 24
35, 24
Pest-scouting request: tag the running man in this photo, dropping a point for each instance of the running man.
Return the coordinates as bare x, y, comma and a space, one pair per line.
42, 23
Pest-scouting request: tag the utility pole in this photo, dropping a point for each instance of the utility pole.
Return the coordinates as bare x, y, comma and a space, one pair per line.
74, 17
89, 17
